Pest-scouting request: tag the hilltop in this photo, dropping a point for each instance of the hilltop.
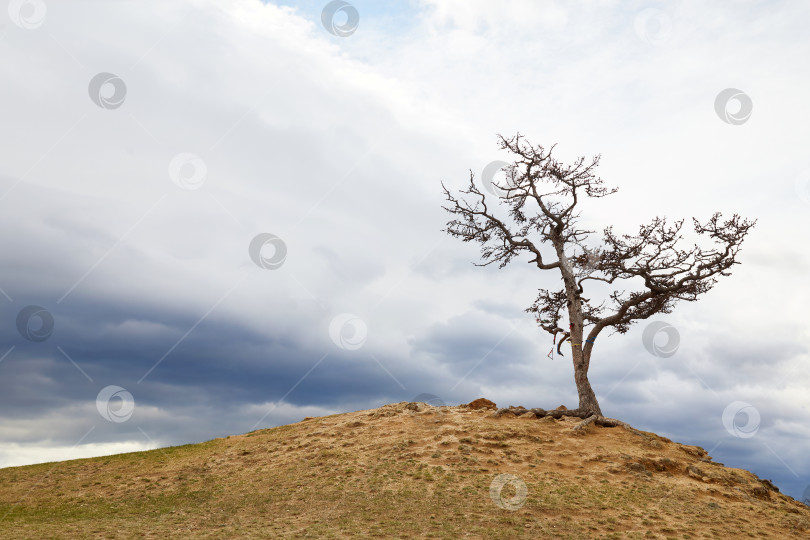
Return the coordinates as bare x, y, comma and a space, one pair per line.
403, 470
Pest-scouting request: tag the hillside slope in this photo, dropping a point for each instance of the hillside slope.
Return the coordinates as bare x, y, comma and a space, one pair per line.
403, 471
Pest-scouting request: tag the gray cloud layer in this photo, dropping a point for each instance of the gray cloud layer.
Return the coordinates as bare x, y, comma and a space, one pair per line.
337, 145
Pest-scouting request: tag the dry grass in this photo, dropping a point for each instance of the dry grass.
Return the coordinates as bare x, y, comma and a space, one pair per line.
397, 473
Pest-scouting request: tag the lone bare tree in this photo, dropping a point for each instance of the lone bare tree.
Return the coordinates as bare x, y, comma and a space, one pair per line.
541, 195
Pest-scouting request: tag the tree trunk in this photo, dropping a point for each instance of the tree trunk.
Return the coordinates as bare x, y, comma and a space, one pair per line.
579, 353
587, 399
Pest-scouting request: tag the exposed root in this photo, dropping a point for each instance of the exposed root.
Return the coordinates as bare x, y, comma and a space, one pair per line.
587, 417
601, 421
541, 413
585, 423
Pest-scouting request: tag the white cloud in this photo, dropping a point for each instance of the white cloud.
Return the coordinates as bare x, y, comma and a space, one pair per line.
338, 146
15, 455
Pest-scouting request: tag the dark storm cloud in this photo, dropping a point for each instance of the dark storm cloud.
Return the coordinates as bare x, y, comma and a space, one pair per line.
342, 159
217, 365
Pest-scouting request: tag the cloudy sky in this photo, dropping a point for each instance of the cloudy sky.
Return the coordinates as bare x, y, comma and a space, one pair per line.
226, 214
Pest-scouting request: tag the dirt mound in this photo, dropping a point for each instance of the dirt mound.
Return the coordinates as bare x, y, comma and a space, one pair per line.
404, 472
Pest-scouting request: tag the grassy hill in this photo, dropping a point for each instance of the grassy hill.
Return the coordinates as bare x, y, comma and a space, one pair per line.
403, 471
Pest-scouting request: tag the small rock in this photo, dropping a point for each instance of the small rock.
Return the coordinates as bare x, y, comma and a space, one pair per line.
482, 403
696, 451
694, 472
768, 484
561, 408
709, 460
503, 412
